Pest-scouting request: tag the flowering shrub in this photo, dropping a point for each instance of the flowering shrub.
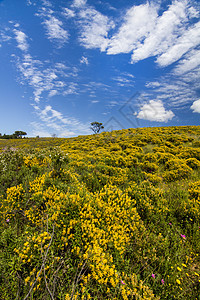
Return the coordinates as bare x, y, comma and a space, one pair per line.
112, 216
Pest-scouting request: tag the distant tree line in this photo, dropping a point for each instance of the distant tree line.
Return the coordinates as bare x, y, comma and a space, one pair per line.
16, 135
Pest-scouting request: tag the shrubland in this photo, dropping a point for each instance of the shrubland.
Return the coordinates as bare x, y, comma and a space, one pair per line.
108, 216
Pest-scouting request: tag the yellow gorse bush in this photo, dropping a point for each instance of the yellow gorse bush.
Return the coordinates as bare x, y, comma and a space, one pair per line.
110, 216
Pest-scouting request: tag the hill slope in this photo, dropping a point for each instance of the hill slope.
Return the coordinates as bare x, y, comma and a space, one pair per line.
108, 216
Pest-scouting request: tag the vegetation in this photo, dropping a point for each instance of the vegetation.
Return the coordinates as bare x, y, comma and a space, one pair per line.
108, 216
96, 127
16, 135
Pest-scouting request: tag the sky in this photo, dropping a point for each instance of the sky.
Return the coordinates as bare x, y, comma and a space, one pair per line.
127, 64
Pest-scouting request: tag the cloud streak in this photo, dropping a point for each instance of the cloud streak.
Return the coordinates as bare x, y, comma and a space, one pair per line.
21, 39
187, 41
163, 33
57, 123
44, 78
94, 28
137, 24
54, 27
54, 30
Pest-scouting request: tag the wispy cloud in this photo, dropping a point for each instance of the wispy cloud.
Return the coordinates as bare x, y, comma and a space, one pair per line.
71, 89
43, 77
172, 90
38, 129
163, 33
79, 3
155, 111
68, 13
4, 37
21, 39
54, 27
137, 24
55, 30
94, 28
124, 81
190, 62
55, 122
187, 41
84, 60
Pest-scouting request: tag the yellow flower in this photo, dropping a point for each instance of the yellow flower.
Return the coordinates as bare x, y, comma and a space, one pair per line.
27, 279
184, 265
178, 281
179, 269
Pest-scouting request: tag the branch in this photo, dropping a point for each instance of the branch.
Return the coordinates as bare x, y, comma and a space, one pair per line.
42, 266
77, 280
51, 296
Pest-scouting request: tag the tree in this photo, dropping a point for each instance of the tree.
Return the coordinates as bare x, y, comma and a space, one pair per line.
19, 134
96, 127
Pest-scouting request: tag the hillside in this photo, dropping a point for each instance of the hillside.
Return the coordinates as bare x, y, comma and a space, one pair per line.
108, 216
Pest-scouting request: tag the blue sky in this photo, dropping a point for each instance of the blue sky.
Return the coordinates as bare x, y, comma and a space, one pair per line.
65, 64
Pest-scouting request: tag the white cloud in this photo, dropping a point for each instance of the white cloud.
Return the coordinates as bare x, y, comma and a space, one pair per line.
54, 118
53, 93
192, 77
61, 66
55, 30
190, 62
67, 133
155, 111
68, 13
94, 28
21, 39
55, 122
47, 3
187, 41
29, 2
145, 31
128, 74
84, 60
168, 36
38, 129
172, 89
44, 78
193, 12
153, 84
138, 22
164, 32
72, 89
79, 3
123, 81
196, 106
54, 27
4, 37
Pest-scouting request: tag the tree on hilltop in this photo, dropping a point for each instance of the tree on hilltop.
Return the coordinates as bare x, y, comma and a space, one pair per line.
96, 127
